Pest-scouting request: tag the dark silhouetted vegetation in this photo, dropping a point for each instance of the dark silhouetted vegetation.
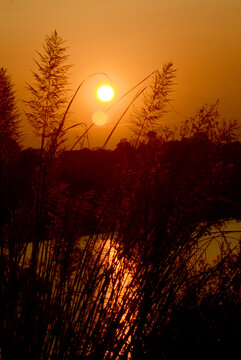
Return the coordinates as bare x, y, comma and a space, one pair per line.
106, 254
147, 117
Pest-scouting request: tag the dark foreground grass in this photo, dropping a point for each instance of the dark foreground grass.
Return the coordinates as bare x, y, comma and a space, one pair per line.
142, 289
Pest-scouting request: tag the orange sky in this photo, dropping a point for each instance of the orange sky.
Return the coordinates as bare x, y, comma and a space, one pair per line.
128, 39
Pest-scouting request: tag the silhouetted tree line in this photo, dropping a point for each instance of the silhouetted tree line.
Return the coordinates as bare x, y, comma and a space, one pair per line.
198, 164
103, 253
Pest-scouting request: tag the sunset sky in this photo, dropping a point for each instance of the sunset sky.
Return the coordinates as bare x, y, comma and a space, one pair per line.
128, 39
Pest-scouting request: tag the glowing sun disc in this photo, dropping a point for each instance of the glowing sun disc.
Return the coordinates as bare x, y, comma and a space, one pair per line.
105, 93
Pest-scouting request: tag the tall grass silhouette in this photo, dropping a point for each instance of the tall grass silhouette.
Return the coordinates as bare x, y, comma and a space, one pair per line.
125, 289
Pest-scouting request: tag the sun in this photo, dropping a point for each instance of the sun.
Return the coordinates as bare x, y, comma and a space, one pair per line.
105, 93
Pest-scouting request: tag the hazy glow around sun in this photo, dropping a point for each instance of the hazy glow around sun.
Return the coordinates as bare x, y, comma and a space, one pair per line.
99, 118
105, 93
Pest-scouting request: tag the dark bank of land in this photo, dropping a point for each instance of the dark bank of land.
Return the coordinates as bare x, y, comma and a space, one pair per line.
196, 170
